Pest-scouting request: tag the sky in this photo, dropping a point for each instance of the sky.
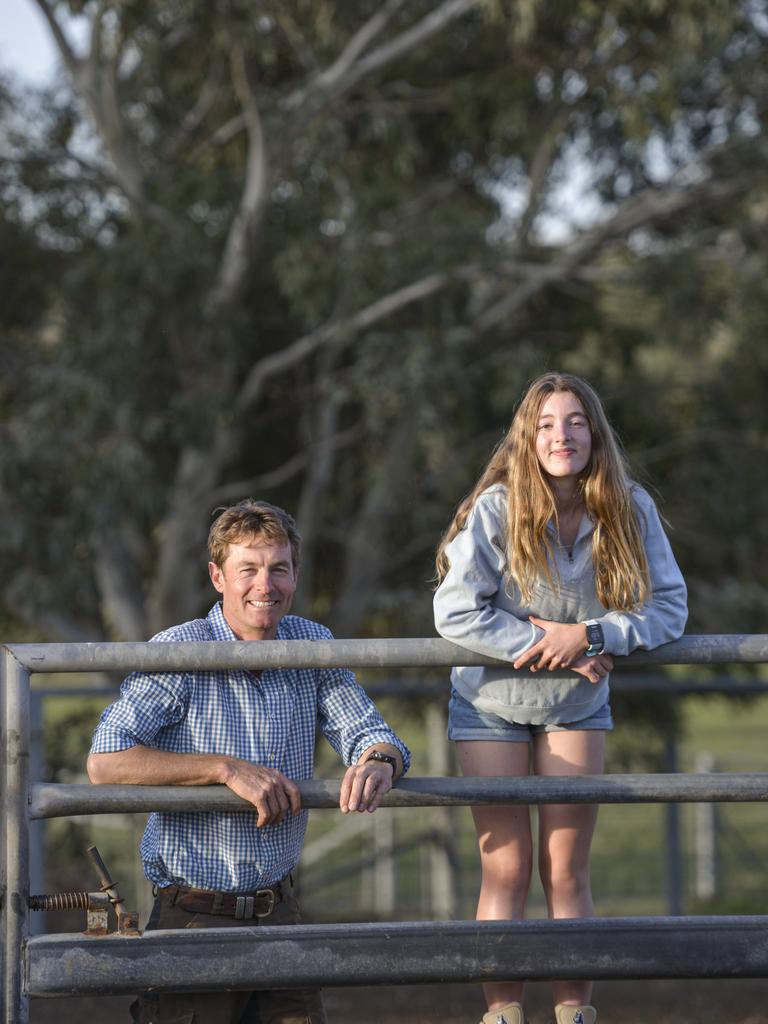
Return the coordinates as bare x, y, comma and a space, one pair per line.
26, 47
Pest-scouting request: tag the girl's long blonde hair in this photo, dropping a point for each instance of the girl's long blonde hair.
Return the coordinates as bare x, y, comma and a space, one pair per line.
618, 554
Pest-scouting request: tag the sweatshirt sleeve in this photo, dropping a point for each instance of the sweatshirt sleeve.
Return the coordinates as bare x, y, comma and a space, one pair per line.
663, 616
464, 604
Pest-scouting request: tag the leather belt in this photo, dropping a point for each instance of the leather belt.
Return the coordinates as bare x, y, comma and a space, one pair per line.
241, 906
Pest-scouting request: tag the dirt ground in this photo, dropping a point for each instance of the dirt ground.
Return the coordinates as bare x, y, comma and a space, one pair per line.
641, 1002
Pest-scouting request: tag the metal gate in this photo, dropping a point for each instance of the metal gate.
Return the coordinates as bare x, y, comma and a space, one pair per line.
334, 955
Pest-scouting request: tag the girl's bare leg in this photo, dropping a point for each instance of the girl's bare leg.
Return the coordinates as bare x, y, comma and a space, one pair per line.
504, 835
565, 837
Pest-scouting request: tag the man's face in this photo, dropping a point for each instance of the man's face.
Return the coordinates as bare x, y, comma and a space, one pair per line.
257, 582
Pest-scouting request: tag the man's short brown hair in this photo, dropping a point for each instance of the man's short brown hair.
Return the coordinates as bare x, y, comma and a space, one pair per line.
243, 521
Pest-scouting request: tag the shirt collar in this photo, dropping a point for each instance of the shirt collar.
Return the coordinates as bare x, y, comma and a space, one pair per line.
220, 628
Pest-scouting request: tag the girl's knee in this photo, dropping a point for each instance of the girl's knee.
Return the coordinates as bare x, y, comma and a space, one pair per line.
507, 873
564, 878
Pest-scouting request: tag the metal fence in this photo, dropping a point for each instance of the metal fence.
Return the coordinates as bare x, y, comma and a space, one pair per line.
335, 955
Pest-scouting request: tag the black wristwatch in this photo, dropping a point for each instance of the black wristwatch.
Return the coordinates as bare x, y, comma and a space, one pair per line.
595, 638
378, 755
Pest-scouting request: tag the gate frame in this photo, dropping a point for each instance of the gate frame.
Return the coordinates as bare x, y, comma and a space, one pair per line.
22, 802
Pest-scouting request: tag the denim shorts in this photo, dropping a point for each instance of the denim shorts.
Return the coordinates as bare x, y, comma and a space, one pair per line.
466, 722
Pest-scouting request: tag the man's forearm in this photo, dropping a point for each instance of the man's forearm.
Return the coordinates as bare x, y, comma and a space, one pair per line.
143, 766
271, 793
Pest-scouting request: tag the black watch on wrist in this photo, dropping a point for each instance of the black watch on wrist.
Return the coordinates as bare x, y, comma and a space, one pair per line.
595, 638
378, 755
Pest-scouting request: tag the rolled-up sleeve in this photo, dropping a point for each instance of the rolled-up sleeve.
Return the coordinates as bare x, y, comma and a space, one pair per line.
465, 607
147, 704
663, 616
349, 719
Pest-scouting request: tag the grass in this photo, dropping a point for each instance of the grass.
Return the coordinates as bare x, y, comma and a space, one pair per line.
629, 868
628, 863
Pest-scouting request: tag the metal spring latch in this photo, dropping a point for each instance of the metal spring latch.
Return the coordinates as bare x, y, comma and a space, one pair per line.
96, 904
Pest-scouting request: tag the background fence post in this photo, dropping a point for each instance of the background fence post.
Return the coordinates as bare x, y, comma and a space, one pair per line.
443, 878
384, 877
672, 846
706, 838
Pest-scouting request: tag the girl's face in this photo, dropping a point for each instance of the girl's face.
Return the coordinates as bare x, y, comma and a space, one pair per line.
563, 437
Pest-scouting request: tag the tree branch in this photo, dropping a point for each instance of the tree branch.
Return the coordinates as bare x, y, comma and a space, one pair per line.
120, 587
196, 114
347, 71
94, 79
67, 53
344, 328
650, 207
539, 169
327, 80
234, 261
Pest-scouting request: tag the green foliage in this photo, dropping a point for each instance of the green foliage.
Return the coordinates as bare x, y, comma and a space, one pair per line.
437, 171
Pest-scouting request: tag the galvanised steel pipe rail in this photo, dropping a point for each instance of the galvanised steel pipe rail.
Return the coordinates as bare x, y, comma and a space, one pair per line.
49, 800
402, 953
728, 947
396, 653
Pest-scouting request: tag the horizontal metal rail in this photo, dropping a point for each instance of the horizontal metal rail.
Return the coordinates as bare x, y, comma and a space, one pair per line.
435, 687
268, 957
50, 800
392, 653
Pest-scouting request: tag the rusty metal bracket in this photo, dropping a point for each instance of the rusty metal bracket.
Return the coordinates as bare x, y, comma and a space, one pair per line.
96, 904
127, 920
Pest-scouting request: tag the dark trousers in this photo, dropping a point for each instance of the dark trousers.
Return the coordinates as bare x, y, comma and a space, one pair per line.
282, 1006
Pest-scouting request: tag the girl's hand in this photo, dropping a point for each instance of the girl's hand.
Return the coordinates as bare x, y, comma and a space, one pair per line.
563, 643
593, 669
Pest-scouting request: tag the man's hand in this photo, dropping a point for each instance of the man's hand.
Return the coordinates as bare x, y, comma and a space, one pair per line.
561, 646
270, 792
364, 785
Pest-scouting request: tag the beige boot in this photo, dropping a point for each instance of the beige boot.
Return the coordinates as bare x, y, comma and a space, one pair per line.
512, 1013
565, 1014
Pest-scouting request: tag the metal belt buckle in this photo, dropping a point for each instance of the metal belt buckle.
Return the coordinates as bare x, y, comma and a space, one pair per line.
244, 908
271, 894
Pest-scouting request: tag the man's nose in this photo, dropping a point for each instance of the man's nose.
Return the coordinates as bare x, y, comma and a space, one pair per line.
263, 580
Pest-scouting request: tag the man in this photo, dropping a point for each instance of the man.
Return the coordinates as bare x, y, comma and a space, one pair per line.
255, 733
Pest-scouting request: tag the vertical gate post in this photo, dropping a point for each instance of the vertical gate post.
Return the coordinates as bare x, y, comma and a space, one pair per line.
14, 708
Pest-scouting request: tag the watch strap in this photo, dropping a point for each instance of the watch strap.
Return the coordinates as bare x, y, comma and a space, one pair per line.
595, 638
379, 755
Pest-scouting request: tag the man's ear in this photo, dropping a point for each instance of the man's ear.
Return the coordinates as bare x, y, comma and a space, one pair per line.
217, 576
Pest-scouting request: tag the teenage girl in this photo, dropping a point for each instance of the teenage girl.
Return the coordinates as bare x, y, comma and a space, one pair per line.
556, 562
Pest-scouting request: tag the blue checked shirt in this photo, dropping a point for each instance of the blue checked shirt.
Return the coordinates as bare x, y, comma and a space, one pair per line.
270, 719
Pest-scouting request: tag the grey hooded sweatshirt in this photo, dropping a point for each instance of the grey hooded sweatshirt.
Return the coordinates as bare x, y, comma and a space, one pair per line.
479, 607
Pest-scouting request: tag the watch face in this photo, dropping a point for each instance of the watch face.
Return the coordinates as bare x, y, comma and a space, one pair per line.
377, 755
595, 635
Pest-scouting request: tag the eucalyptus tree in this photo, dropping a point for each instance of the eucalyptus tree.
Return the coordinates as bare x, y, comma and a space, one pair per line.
312, 251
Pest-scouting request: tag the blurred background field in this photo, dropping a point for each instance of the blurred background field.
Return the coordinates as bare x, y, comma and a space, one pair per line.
629, 870
340, 879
